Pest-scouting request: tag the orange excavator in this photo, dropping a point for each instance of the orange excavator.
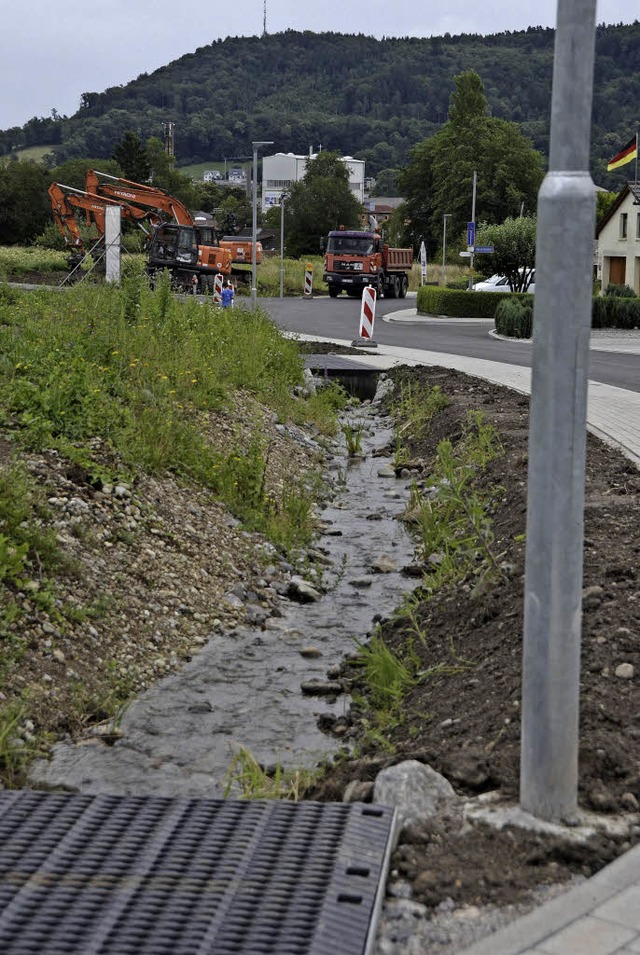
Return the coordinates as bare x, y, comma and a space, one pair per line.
213, 252
191, 255
67, 202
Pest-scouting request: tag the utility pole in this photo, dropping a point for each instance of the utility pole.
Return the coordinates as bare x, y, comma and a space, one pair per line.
446, 216
254, 231
557, 432
282, 198
473, 219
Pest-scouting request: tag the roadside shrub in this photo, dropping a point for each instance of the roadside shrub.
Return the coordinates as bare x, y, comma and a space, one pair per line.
611, 311
458, 284
620, 291
514, 317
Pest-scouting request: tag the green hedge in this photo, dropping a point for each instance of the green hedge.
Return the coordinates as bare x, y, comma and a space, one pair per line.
462, 304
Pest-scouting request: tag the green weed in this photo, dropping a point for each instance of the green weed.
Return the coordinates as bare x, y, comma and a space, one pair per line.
352, 431
452, 518
416, 406
246, 779
386, 676
14, 751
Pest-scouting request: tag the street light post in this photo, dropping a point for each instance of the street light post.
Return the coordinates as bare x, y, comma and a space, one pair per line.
254, 290
446, 216
282, 245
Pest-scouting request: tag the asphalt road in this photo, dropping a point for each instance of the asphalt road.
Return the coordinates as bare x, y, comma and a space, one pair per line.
340, 318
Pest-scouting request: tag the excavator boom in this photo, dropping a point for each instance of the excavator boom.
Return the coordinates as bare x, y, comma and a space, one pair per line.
138, 194
67, 201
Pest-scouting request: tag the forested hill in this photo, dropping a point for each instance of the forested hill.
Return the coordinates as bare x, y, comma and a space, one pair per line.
369, 98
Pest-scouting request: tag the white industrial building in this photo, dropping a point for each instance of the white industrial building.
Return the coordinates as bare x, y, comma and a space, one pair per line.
279, 171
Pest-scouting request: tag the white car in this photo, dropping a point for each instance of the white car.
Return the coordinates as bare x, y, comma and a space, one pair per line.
500, 283
493, 284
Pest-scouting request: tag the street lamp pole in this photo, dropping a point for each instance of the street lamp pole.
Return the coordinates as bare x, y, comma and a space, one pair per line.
254, 290
282, 245
446, 216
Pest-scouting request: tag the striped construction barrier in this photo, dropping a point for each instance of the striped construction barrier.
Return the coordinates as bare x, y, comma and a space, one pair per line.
308, 280
367, 313
217, 288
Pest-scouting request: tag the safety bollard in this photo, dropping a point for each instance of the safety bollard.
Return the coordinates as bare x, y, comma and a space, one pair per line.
308, 280
217, 289
367, 317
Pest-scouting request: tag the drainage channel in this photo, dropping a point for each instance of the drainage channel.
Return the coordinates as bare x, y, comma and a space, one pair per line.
245, 687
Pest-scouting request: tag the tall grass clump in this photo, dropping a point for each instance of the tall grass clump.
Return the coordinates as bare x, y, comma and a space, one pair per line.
138, 368
17, 260
452, 517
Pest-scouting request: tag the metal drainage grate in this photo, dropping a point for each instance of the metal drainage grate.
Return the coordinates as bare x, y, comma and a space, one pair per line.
127, 875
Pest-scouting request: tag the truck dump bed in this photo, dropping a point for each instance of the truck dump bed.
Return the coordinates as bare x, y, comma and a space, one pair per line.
400, 259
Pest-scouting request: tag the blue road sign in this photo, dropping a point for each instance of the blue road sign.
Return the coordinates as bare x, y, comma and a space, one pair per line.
483, 248
471, 233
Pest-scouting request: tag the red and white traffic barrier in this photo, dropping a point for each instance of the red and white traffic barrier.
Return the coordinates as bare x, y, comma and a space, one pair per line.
217, 288
308, 280
368, 313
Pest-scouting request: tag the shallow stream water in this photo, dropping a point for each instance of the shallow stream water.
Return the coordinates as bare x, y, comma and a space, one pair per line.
244, 687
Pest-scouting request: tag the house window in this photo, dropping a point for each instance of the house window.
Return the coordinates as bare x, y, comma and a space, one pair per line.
624, 218
637, 225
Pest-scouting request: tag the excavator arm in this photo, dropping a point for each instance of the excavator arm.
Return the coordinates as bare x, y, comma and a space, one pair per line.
64, 215
67, 202
134, 193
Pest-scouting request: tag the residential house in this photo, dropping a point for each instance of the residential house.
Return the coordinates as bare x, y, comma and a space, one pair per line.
618, 238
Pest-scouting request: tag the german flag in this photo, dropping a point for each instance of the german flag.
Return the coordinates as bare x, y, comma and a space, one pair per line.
628, 154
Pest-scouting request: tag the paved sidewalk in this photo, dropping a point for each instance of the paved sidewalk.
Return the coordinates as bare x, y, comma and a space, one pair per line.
601, 916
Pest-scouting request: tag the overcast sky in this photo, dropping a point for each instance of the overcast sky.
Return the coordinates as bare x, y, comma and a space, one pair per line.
51, 53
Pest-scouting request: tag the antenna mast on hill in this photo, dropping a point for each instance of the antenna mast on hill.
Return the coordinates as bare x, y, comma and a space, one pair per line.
264, 19
168, 132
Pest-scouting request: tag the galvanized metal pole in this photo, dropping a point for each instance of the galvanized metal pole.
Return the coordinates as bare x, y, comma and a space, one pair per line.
446, 216
557, 436
254, 230
254, 225
473, 219
282, 245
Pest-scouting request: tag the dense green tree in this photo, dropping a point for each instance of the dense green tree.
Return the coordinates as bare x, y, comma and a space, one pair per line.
73, 172
207, 196
132, 157
604, 201
318, 203
386, 183
25, 209
165, 175
514, 254
396, 229
234, 213
439, 177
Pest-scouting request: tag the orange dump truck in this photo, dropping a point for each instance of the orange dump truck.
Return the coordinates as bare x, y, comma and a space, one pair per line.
353, 260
